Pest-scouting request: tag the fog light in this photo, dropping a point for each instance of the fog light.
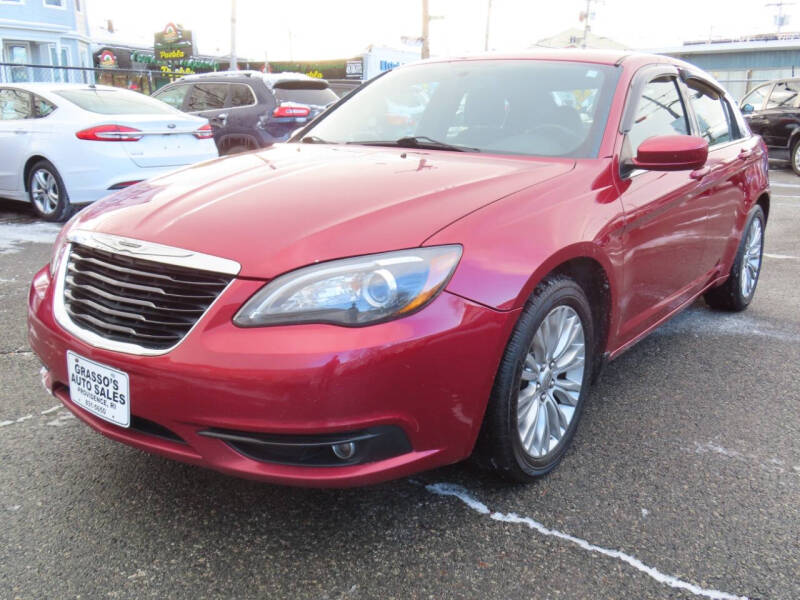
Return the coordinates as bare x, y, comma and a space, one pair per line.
344, 451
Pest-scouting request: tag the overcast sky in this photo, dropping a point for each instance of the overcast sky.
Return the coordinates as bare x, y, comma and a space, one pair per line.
318, 29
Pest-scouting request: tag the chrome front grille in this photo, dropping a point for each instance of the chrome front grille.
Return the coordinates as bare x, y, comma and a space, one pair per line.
130, 300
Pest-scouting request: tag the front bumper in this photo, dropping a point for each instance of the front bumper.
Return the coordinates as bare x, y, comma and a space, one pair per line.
428, 375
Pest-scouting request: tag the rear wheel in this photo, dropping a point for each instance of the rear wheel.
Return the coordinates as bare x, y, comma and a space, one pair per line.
541, 383
47, 192
738, 290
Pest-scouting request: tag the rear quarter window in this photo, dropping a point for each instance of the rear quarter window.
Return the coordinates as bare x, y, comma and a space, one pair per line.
115, 102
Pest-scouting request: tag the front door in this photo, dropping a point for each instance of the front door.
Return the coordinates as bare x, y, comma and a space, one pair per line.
665, 223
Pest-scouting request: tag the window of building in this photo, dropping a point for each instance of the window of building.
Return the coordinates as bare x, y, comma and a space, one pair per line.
660, 112
54, 3
710, 112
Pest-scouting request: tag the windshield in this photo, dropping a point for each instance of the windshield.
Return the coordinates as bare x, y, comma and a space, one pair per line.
115, 102
530, 107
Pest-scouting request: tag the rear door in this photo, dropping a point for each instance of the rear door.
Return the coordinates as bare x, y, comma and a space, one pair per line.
174, 95
665, 225
730, 153
16, 117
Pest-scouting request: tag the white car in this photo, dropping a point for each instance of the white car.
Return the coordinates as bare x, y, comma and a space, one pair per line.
68, 144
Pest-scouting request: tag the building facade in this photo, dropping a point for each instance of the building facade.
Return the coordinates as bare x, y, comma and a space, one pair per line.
43, 32
742, 64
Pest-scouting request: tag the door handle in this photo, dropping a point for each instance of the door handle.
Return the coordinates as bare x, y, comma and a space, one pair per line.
745, 153
700, 173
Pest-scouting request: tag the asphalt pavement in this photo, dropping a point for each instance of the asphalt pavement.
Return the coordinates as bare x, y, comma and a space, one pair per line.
683, 482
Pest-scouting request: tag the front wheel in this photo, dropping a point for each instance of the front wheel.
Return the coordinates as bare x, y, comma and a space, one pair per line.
738, 290
47, 192
795, 157
541, 384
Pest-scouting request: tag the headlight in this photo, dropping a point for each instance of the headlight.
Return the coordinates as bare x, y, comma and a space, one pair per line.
354, 291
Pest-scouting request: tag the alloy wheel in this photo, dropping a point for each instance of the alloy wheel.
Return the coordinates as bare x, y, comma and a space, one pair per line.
552, 377
44, 191
751, 261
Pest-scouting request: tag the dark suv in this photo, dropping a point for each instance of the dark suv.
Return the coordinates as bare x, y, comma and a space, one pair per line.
249, 109
773, 112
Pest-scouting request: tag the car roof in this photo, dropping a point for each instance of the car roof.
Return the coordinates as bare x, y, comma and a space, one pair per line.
270, 79
52, 87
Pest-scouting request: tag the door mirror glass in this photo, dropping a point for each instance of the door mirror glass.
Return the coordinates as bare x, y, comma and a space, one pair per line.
671, 153
747, 108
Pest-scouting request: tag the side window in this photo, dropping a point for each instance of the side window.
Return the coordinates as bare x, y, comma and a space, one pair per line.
736, 129
241, 95
784, 95
711, 116
173, 96
42, 107
15, 104
757, 96
660, 112
207, 96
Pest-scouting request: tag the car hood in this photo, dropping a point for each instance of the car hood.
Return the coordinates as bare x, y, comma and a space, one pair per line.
293, 205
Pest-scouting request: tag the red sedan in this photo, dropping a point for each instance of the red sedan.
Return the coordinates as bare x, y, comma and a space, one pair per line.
367, 302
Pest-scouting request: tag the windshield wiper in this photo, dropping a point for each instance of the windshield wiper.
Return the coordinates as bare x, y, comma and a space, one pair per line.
417, 141
312, 139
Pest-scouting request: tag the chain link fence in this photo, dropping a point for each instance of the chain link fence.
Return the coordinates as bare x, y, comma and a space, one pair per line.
141, 81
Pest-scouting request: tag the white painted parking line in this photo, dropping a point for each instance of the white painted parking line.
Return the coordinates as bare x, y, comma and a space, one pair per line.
782, 256
449, 489
781, 184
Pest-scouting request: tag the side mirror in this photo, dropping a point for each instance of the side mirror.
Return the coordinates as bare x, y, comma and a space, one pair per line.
671, 153
747, 108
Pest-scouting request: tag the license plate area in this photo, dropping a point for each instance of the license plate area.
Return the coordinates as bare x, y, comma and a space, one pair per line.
99, 389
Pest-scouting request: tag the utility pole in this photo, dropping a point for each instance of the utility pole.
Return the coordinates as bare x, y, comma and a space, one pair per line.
233, 66
426, 21
488, 26
586, 27
780, 18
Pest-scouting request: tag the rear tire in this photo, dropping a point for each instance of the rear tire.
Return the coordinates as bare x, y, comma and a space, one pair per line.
47, 192
738, 290
541, 383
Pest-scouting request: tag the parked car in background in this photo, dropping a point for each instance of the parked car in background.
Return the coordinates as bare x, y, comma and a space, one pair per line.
349, 308
249, 109
773, 111
67, 144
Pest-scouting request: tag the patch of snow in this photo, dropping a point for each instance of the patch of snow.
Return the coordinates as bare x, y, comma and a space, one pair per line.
13, 235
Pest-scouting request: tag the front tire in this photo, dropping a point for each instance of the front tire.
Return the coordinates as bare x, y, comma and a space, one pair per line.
47, 192
738, 290
541, 384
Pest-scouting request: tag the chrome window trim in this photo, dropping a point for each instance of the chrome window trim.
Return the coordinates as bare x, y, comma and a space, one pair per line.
147, 251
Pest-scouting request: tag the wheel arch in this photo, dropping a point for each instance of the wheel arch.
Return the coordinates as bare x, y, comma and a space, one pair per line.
26, 171
231, 140
763, 202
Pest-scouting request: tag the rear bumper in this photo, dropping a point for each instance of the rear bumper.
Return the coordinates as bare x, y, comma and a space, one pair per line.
428, 375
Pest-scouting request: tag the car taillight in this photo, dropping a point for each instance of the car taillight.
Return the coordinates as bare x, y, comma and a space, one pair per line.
204, 133
110, 133
289, 110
